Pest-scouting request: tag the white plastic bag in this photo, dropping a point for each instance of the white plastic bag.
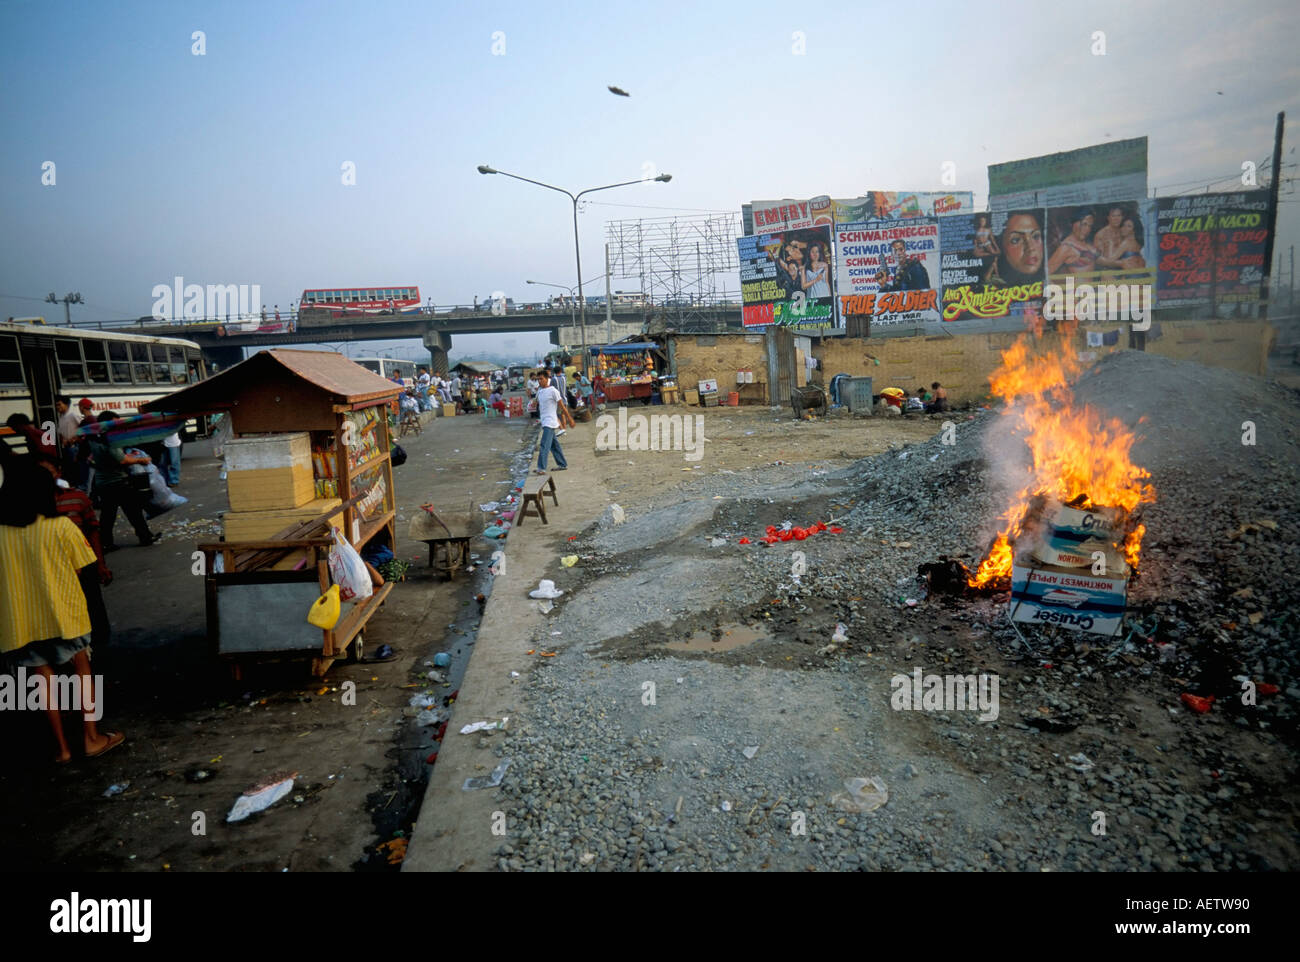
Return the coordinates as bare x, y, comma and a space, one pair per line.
349, 571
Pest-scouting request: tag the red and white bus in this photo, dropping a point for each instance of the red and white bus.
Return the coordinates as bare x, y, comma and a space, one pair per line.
362, 300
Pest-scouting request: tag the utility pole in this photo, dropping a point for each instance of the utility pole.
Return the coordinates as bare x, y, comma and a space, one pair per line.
1272, 210
609, 303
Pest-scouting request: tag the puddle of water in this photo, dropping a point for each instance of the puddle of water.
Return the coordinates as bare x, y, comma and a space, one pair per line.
721, 638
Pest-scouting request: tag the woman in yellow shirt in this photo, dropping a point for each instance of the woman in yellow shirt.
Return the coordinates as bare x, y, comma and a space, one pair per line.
44, 622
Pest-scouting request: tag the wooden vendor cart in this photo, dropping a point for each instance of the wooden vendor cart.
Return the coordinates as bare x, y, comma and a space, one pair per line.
308, 457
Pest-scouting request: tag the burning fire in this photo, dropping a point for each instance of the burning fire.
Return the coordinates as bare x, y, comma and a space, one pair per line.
1080, 457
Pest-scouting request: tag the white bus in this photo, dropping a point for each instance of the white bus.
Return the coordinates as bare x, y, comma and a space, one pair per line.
117, 371
386, 367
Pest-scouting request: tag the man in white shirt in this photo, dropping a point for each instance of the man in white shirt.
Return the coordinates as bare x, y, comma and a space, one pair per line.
551, 411
422, 385
455, 390
76, 465
69, 420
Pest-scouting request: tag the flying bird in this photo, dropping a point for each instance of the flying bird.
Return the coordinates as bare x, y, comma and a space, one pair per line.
619, 91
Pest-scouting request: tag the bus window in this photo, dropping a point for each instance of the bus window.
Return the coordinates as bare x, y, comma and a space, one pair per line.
161, 375
176, 361
68, 352
140, 366
96, 362
11, 365
117, 357
197, 369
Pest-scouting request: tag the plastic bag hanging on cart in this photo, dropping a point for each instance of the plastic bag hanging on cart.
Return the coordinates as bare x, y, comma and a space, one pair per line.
349, 571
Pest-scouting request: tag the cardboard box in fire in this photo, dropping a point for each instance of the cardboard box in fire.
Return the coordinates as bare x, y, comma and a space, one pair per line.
1056, 582
1069, 597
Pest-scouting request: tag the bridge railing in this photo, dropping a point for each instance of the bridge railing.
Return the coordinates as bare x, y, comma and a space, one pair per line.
286, 321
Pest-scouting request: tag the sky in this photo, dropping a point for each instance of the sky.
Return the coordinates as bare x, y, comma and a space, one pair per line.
228, 167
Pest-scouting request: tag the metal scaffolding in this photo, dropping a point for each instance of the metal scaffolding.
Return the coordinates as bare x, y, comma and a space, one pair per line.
682, 264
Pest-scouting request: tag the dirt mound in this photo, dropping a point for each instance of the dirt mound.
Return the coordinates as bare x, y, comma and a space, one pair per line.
1190, 415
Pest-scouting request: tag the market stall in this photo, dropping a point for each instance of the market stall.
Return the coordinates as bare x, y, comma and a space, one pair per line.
308, 467
631, 370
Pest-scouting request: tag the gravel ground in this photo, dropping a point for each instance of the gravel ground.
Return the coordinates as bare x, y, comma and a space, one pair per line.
1087, 724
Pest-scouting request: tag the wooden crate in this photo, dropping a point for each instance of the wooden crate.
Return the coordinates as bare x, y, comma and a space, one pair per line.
259, 525
267, 489
269, 472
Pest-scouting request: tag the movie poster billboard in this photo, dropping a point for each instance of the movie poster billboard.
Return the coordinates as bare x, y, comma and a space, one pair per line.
1089, 175
784, 215
902, 205
776, 215
1110, 243
1211, 248
786, 278
889, 271
993, 264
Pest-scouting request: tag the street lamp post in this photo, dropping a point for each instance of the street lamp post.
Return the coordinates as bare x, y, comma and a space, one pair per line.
577, 252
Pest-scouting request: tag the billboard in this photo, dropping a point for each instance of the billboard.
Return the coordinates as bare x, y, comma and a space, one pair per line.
1211, 248
992, 264
786, 278
889, 271
1105, 243
776, 215
782, 215
901, 205
1103, 172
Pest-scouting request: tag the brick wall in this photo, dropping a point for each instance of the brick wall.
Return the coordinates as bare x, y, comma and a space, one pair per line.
963, 363
720, 356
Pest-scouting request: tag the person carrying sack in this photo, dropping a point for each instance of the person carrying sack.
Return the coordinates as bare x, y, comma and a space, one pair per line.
117, 488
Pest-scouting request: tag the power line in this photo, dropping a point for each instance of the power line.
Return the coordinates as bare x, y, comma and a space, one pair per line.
698, 210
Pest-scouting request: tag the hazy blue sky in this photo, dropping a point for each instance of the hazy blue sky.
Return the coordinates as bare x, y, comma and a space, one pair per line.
225, 168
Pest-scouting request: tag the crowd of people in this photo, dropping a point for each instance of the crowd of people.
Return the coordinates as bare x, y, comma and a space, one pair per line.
469, 393
577, 391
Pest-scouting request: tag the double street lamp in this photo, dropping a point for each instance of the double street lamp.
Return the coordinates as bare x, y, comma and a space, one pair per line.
662, 179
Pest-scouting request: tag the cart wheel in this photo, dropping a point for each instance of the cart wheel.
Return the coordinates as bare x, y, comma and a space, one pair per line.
356, 649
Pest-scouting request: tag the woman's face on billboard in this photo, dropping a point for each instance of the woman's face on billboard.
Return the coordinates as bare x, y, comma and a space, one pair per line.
1022, 239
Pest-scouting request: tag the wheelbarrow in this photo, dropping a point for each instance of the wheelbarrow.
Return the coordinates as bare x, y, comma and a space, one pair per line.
448, 543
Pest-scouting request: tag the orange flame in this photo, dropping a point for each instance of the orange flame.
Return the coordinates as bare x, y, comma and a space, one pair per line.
1080, 457
1133, 545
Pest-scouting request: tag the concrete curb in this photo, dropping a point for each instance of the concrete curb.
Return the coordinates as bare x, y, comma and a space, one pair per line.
454, 830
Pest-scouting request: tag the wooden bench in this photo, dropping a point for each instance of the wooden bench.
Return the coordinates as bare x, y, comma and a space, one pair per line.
538, 486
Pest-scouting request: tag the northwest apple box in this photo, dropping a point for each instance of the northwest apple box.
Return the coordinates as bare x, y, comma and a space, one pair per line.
1069, 597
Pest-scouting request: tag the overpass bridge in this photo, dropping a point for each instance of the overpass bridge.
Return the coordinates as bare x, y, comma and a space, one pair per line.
223, 342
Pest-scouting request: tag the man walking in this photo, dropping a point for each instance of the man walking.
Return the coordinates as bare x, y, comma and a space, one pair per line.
551, 410
113, 485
